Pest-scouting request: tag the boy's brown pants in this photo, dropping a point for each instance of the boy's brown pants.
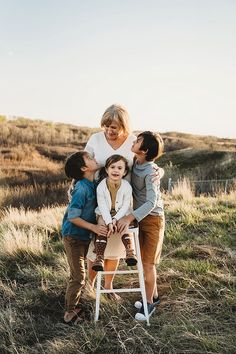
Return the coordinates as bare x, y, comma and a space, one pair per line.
76, 251
151, 234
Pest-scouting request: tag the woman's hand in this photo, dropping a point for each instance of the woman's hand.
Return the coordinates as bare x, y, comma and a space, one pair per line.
157, 174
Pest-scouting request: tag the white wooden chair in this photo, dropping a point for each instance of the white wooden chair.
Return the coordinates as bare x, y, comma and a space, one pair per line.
138, 271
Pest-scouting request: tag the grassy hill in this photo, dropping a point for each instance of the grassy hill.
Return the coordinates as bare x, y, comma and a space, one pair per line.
199, 164
33, 152
20, 131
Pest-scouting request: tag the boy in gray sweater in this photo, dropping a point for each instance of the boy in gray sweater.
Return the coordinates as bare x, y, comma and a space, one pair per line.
148, 211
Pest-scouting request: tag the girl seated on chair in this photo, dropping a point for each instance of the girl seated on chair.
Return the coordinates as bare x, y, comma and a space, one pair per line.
114, 197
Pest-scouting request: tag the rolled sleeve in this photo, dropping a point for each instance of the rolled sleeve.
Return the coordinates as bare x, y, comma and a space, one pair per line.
77, 202
74, 213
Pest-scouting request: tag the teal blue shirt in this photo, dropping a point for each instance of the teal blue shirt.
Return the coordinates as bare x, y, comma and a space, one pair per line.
82, 205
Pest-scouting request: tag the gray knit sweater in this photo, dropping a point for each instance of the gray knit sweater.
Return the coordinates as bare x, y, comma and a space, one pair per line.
147, 195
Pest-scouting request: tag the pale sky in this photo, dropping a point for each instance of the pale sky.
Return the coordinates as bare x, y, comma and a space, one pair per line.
172, 63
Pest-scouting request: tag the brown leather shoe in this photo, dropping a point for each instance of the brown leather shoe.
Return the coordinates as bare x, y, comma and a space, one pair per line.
98, 264
131, 259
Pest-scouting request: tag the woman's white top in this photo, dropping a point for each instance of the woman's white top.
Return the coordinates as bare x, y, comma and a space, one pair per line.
99, 148
123, 202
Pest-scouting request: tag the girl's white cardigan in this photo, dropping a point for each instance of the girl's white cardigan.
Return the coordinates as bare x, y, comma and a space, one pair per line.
123, 203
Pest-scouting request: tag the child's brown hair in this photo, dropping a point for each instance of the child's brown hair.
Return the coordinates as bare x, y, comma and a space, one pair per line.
152, 144
113, 159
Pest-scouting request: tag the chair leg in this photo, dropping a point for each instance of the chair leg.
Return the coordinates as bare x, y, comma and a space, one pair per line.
141, 276
98, 296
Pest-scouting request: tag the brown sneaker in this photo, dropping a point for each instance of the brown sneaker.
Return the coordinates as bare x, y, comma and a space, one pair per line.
131, 259
98, 264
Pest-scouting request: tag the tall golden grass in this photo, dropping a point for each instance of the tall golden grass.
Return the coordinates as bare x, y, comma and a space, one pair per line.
183, 190
34, 196
28, 230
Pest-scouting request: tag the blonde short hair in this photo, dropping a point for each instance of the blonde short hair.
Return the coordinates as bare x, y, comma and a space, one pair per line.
117, 113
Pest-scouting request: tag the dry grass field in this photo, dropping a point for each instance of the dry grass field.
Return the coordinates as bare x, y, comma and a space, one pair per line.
196, 277
196, 280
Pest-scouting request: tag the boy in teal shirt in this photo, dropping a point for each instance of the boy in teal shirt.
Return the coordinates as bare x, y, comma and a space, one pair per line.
78, 224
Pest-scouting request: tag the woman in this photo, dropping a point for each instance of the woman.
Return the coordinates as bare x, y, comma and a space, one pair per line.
116, 138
